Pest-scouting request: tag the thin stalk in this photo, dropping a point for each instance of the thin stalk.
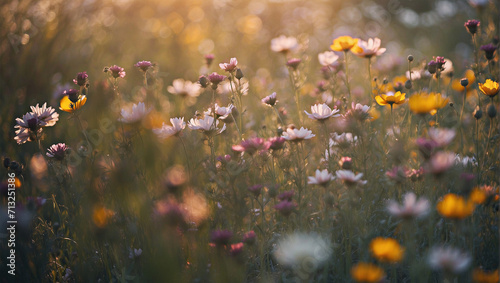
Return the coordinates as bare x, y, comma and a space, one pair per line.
487, 142
347, 75
278, 114
81, 127
296, 93
370, 76
185, 153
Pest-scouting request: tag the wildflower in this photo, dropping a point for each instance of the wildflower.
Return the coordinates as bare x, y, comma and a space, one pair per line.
166, 131
426, 147
368, 49
367, 273
391, 98
386, 250
481, 276
249, 238
345, 163
321, 178
441, 161
81, 79
209, 59
45, 114
255, 190
359, 112
221, 237
57, 151
136, 114
229, 67
328, 58
489, 50
215, 79
455, 207
411, 208
469, 76
343, 140
477, 195
223, 112
28, 128
116, 71
184, 88
448, 259
472, 25
297, 135
303, 252
283, 44
293, 63
206, 125
349, 178
203, 81
441, 136
239, 74
270, 100
143, 65
343, 43
276, 143
424, 103
478, 113
397, 174
236, 249
288, 195
251, 146
135, 253
285, 207
489, 88
322, 112
491, 110
72, 101
466, 160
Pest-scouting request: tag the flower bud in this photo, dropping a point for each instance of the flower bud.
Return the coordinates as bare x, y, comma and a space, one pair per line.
432, 67
239, 74
478, 113
410, 58
203, 81
408, 84
492, 111
464, 82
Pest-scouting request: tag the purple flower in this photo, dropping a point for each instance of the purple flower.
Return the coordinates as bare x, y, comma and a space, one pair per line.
72, 94
57, 151
270, 99
276, 143
255, 190
285, 207
143, 65
288, 195
249, 238
293, 63
432, 66
251, 146
426, 146
117, 71
221, 237
209, 58
81, 79
489, 50
216, 79
472, 25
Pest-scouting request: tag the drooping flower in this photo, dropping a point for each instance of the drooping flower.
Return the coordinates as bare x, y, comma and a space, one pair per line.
455, 207
184, 88
283, 44
57, 151
328, 58
411, 208
322, 112
143, 65
229, 67
368, 49
72, 101
116, 71
343, 43
391, 98
45, 114
303, 252
292, 134
136, 114
206, 125
166, 131
386, 250
367, 273
449, 259
321, 178
270, 100
489, 88
349, 178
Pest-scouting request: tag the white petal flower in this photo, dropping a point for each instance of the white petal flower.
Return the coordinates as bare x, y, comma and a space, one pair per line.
328, 58
28, 127
298, 135
166, 131
449, 259
229, 67
206, 124
46, 114
441, 136
284, 44
349, 178
136, 114
303, 252
369, 48
343, 140
411, 208
321, 178
184, 88
321, 112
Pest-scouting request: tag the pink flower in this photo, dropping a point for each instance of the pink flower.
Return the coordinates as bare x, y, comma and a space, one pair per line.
57, 151
285, 207
117, 71
441, 162
270, 100
411, 208
229, 67
251, 146
276, 143
143, 65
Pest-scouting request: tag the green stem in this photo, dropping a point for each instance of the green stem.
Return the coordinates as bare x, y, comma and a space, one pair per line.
347, 75
185, 153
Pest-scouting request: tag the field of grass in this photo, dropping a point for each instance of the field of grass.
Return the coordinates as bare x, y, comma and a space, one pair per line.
249, 141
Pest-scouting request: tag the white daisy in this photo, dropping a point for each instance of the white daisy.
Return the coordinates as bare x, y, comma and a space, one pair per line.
349, 178
411, 208
322, 112
321, 178
298, 135
284, 44
166, 131
136, 114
